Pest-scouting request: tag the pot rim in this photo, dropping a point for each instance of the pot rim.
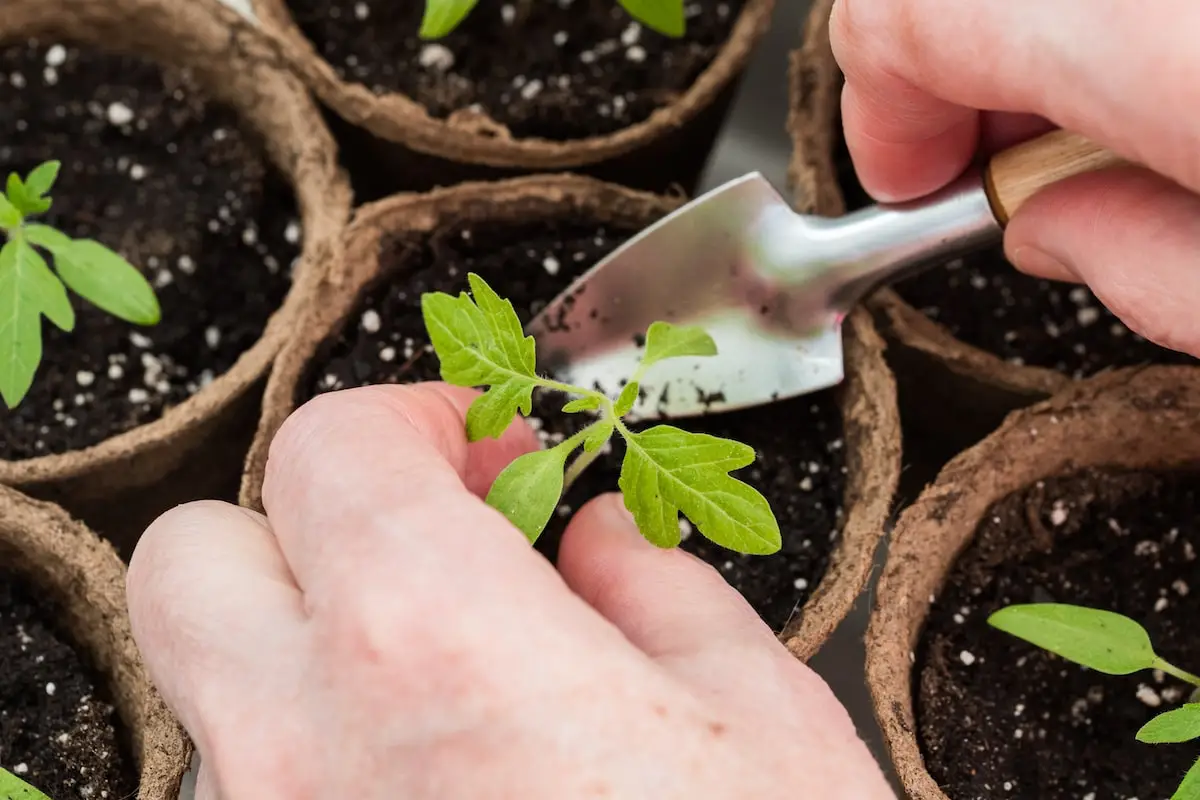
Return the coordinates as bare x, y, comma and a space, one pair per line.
1056, 436
177, 35
63, 557
395, 117
868, 402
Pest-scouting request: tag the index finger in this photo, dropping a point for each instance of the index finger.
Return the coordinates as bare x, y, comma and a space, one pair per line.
918, 71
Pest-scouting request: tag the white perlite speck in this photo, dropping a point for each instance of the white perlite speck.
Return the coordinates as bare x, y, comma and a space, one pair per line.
212, 336
550, 264
85, 378
137, 172
138, 395
636, 54
361, 11
371, 321
1058, 514
967, 657
1148, 696
119, 114
51, 689
291, 233
21, 769
800, 583
436, 56
56, 56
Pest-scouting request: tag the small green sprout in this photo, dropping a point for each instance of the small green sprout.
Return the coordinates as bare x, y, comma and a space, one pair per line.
1115, 645
665, 16
13, 788
29, 290
666, 471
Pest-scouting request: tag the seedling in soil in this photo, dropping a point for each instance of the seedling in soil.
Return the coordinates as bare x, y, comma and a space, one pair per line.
665, 16
13, 788
480, 343
29, 290
1115, 645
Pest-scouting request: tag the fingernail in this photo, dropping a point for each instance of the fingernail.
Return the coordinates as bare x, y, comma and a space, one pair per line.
1037, 262
617, 516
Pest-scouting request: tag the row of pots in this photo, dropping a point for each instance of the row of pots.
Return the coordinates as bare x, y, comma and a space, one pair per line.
831, 474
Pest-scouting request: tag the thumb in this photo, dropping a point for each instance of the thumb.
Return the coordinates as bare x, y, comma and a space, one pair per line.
676, 608
1132, 236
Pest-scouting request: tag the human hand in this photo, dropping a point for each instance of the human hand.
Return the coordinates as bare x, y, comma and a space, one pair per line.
1121, 73
384, 633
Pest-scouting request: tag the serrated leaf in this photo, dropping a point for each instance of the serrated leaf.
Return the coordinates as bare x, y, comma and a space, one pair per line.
10, 215
1100, 640
20, 330
1190, 788
664, 16
664, 340
626, 399
483, 345
492, 412
667, 471
597, 434
443, 16
527, 491
42, 287
1171, 727
13, 788
41, 179
100, 276
587, 403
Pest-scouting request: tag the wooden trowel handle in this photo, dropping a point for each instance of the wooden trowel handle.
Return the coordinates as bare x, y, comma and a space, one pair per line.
1016, 174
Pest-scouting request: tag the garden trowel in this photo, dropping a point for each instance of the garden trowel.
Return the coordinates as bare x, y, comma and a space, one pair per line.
772, 286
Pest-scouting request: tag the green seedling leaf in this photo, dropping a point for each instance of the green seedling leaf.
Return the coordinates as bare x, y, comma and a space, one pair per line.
480, 343
23, 199
443, 16
42, 178
10, 215
1190, 788
13, 788
597, 434
667, 471
100, 276
528, 490
1101, 640
1171, 727
664, 16
20, 327
625, 400
664, 340
42, 289
588, 403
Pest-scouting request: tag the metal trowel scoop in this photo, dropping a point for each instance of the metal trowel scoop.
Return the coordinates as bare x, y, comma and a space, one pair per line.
772, 286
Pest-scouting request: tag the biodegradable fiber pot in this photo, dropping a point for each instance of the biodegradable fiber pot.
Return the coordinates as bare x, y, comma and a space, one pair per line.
1087, 498
209, 170
73, 626
520, 87
828, 462
969, 341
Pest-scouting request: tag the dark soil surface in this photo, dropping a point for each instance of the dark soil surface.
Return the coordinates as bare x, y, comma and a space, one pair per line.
800, 466
156, 172
1000, 718
554, 69
57, 727
984, 301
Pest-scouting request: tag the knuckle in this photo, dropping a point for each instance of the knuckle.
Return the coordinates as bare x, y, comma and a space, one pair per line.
864, 34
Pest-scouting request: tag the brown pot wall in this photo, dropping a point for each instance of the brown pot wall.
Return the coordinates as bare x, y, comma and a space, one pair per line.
951, 393
196, 448
392, 143
87, 580
869, 413
1143, 418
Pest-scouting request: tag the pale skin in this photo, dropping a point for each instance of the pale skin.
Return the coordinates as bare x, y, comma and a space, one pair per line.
381, 632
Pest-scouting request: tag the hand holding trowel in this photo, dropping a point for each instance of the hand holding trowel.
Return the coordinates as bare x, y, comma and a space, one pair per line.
772, 286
